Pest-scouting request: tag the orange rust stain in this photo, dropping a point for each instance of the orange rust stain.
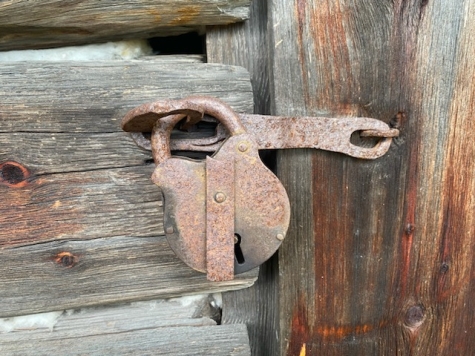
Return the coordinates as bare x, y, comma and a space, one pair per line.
299, 331
185, 15
304, 334
343, 331
56, 204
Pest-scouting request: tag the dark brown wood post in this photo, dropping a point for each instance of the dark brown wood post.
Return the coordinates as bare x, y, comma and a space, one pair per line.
379, 259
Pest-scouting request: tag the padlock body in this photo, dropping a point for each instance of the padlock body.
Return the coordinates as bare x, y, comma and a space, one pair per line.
182, 182
262, 209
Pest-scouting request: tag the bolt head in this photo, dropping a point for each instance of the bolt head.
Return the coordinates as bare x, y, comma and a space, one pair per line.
169, 230
243, 146
280, 237
220, 197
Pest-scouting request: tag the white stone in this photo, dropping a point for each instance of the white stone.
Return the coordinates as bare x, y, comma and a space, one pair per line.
95, 52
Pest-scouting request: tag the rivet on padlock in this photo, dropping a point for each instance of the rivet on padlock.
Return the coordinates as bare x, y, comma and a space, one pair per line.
224, 215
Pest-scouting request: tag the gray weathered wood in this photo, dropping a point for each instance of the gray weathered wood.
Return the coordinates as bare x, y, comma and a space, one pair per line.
45, 153
175, 58
379, 259
106, 270
94, 96
88, 186
222, 340
195, 310
246, 44
49, 23
81, 205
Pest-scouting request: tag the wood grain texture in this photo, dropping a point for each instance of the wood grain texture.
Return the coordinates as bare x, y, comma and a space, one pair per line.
46, 153
221, 340
246, 44
97, 272
379, 257
52, 23
94, 96
83, 205
77, 200
196, 310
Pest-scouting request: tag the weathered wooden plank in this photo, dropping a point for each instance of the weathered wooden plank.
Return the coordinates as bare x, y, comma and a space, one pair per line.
195, 310
63, 152
49, 23
246, 44
94, 96
379, 257
185, 340
46, 153
79, 205
69, 274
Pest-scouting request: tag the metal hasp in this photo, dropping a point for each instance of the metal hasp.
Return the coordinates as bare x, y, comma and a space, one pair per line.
229, 213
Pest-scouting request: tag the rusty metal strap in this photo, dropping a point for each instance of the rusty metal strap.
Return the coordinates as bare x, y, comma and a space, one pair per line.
389, 133
271, 132
219, 219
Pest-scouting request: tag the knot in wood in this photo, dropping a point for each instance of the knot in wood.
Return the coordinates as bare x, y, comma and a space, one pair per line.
414, 317
66, 259
13, 174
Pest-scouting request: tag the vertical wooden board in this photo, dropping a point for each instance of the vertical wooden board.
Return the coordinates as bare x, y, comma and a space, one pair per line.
246, 44
379, 260
444, 209
334, 290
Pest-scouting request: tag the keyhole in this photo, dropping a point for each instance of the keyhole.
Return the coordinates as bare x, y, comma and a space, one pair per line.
237, 249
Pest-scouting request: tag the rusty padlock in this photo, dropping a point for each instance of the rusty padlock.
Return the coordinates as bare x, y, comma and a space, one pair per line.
226, 214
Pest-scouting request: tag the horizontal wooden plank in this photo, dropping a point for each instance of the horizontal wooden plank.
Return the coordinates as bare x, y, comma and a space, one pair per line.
62, 275
80, 205
194, 310
185, 340
175, 58
63, 152
94, 96
50, 23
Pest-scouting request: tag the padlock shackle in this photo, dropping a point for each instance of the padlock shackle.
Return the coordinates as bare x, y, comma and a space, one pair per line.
161, 116
194, 108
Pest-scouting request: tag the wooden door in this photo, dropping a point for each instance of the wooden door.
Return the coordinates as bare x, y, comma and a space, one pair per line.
379, 255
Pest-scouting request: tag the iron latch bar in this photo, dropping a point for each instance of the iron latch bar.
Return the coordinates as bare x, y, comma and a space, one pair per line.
274, 132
